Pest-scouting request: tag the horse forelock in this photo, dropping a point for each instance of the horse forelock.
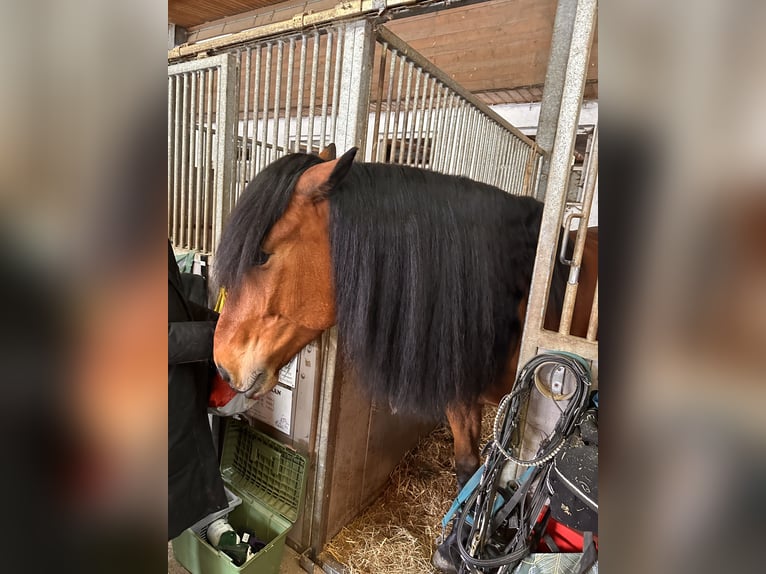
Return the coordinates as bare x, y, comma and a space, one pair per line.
261, 205
429, 271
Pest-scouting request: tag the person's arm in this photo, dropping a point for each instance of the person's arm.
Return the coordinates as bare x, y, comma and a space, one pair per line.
190, 341
201, 313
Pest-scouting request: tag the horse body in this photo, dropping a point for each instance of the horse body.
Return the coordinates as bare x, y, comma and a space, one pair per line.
426, 276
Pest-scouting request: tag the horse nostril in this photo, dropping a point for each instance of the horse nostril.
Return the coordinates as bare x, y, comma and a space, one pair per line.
224, 374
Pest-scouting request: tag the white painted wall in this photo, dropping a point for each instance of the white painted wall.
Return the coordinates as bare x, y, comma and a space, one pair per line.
526, 116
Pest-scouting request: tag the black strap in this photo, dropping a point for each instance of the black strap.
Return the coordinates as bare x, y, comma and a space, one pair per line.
508, 507
589, 553
539, 530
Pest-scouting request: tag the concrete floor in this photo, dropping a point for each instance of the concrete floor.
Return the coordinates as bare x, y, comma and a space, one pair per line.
290, 563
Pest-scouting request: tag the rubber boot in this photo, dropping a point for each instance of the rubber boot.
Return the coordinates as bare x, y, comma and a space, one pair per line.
446, 557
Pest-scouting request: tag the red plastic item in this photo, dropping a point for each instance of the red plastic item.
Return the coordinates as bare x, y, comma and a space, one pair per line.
565, 538
220, 392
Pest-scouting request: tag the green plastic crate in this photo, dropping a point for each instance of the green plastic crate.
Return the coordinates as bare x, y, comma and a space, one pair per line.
269, 478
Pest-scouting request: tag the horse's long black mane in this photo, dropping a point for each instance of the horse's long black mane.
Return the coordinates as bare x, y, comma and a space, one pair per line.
429, 271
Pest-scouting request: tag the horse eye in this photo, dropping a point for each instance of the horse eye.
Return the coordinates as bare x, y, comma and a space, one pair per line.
261, 257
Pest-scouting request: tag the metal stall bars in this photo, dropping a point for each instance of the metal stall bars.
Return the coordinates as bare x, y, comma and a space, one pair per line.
201, 118
535, 337
421, 117
290, 89
277, 96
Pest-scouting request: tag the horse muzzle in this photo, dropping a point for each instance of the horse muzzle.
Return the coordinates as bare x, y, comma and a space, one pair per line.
256, 384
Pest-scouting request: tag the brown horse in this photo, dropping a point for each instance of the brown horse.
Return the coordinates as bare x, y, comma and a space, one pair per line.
425, 274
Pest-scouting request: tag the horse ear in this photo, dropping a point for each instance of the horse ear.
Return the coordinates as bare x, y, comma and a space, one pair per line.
341, 168
318, 181
328, 153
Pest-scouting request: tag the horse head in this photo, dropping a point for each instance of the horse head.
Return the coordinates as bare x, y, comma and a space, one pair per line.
286, 298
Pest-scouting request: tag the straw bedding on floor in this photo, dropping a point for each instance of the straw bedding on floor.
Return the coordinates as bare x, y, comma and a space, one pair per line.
397, 533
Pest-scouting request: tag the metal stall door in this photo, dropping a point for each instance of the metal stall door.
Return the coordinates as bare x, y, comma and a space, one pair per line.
536, 339
202, 112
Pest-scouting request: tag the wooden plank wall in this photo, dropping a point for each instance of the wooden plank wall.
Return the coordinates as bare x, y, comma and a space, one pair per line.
188, 13
498, 48
491, 46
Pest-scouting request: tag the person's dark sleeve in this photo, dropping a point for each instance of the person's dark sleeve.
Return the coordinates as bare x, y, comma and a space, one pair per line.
190, 341
201, 313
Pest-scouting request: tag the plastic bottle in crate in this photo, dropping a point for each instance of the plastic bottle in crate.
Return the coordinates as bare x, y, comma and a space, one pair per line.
223, 537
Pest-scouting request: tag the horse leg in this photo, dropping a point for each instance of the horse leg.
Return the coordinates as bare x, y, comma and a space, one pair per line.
465, 422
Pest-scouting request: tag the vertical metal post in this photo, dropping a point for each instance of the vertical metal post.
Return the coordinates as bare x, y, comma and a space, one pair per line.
200, 164
466, 156
226, 116
489, 159
391, 73
289, 95
379, 103
553, 88
323, 446
254, 152
472, 156
497, 161
245, 122
313, 92
266, 90
422, 120
574, 270
406, 117
465, 132
171, 178
301, 83
534, 335
511, 166
455, 126
395, 130
437, 113
358, 53
490, 171
207, 229
336, 81
593, 321
506, 165
325, 91
184, 161
277, 97
442, 132
490, 155
192, 154
194, 143
449, 130
414, 116
518, 162
428, 141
